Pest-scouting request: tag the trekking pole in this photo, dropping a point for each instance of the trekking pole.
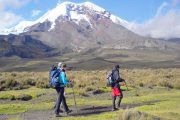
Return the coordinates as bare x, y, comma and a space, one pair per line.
126, 85
74, 98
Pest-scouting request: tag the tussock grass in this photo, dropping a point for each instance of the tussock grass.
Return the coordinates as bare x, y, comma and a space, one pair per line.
93, 80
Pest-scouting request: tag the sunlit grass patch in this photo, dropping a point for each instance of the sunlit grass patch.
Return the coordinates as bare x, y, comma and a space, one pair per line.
15, 94
166, 109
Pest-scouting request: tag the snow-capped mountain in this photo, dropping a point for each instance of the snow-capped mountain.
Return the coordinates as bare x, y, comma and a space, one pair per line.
72, 11
71, 27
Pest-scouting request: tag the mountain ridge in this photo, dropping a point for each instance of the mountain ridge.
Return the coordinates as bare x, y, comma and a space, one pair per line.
81, 27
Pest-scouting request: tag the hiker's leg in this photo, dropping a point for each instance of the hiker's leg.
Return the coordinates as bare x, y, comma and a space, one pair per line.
64, 103
60, 104
59, 100
120, 98
113, 102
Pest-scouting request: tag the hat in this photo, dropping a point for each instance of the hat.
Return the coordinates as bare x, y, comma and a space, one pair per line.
117, 66
59, 64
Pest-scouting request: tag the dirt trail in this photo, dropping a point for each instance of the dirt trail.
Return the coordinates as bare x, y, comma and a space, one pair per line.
81, 111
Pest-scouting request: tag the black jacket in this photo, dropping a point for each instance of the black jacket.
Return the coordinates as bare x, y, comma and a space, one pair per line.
116, 77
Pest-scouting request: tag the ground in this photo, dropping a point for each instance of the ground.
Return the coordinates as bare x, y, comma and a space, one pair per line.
138, 103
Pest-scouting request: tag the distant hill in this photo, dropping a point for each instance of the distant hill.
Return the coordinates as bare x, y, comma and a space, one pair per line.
23, 46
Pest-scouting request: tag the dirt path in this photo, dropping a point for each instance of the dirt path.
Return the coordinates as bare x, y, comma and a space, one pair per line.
81, 111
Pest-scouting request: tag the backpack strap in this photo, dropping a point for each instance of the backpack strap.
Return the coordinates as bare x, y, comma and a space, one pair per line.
56, 73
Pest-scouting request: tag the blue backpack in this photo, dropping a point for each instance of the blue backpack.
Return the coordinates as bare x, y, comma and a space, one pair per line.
54, 74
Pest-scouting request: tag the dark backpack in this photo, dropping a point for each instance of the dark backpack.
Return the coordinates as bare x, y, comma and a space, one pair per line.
110, 79
53, 75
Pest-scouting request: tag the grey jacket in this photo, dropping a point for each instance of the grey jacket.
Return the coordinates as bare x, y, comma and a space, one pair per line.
116, 78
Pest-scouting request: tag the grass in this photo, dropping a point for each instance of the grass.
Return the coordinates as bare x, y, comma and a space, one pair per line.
14, 94
169, 108
165, 104
156, 91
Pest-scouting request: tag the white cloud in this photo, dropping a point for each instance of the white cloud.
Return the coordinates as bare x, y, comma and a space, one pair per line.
160, 8
162, 25
35, 12
8, 18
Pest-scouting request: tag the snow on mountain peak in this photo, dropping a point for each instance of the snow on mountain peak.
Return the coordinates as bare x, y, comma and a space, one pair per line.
74, 11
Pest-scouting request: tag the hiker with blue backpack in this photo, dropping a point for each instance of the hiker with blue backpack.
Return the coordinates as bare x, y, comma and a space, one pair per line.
113, 81
58, 82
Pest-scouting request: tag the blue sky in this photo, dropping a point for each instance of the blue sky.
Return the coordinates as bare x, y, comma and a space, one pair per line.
130, 10
144, 14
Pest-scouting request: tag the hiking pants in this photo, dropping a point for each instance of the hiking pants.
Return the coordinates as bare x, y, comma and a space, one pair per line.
119, 100
60, 99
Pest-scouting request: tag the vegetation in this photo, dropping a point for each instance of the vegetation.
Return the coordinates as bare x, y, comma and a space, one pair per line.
92, 80
151, 94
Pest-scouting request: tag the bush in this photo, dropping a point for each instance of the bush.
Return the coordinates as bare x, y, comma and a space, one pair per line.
24, 97
88, 89
83, 93
136, 115
166, 84
141, 84
97, 92
42, 84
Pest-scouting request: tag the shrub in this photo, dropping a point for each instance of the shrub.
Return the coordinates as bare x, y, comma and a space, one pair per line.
88, 89
136, 115
83, 93
141, 84
166, 84
97, 91
42, 84
24, 97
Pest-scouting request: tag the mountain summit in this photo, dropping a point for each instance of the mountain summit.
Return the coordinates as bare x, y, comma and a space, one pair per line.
71, 27
71, 11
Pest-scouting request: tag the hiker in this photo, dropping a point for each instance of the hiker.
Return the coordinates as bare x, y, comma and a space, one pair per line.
116, 91
60, 90
52, 72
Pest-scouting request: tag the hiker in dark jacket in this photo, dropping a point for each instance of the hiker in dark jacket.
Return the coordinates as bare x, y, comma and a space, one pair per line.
116, 91
60, 90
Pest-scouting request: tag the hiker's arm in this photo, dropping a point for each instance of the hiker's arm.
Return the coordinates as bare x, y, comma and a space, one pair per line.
121, 80
64, 79
117, 77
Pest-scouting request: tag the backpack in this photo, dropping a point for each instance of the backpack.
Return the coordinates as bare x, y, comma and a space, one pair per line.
53, 75
110, 80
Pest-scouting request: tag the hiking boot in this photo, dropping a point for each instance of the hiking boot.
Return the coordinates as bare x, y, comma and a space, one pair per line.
115, 109
69, 111
118, 107
61, 111
57, 115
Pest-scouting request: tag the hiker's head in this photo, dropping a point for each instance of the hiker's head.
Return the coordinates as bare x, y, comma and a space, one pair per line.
117, 66
63, 66
59, 65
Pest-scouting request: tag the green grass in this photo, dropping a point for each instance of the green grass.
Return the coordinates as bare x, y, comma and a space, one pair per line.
164, 103
33, 92
155, 90
170, 108
103, 116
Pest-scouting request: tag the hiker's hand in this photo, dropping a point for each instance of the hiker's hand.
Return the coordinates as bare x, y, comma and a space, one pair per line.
71, 83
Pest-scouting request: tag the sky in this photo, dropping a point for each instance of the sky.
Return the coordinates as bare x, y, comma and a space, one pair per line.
156, 18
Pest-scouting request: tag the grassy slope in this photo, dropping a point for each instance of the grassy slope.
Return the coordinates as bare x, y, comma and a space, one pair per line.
100, 59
